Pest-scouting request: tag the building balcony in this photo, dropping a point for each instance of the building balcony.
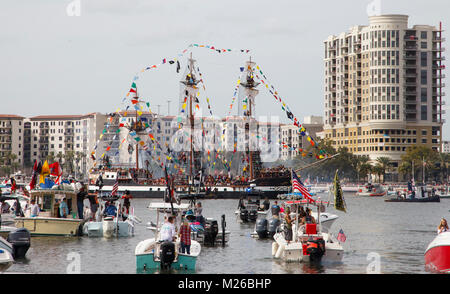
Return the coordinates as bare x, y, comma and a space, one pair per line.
410, 56
410, 65
438, 58
410, 47
437, 85
438, 49
438, 39
438, 76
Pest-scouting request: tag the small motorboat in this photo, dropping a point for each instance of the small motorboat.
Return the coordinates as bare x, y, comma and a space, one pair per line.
437, 254
371, 190
309, 242
111, 226
443, 192
154, 254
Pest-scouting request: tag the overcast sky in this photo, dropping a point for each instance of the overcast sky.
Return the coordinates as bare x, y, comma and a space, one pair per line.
52, 63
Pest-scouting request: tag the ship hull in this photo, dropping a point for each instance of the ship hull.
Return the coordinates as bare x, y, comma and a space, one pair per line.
219, 192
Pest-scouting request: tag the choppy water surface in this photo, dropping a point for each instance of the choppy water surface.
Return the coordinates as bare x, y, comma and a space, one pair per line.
398, 232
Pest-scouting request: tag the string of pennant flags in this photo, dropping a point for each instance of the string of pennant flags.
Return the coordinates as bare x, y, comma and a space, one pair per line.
137, 105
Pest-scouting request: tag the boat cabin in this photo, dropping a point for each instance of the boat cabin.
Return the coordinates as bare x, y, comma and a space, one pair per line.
48, 201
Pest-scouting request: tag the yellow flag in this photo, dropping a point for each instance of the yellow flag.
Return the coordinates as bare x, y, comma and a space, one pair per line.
45, 171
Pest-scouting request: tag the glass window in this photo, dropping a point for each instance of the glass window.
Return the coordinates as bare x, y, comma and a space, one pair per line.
423, 77
423, 112
423, 58
423, 94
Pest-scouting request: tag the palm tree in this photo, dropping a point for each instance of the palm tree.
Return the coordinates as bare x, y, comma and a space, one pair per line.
60, 157
378, 170
362, 166
68, 160
384, 163
51, 156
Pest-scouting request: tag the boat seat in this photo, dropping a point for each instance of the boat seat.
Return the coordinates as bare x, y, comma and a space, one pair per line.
311, 229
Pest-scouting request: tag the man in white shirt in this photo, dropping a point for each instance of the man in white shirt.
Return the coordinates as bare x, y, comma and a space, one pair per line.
168, 230
34, 209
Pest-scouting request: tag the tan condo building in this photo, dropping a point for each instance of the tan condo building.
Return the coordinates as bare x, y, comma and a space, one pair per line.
383, 87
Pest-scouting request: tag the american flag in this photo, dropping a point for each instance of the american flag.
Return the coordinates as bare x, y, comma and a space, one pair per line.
297, 186
341, 236
115, 188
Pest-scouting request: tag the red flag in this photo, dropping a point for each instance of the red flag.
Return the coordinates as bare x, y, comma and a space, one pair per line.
55, 170
33, 176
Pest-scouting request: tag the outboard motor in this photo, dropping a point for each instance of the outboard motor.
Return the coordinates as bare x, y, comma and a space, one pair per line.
252, 215
261, 228
316, 249
167, 254
211, 231
244, 215
20, 239
273, 226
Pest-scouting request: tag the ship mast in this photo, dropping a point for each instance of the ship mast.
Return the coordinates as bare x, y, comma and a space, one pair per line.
249, 89
191, 89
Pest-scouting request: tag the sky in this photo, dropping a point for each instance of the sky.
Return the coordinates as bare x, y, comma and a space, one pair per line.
53, 63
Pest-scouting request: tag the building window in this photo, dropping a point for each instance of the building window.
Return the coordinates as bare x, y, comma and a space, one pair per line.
423, 45
423, 112
423, 77
423, 58
423, 35
423, 94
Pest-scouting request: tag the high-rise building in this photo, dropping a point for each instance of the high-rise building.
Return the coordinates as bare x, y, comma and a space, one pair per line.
383, 87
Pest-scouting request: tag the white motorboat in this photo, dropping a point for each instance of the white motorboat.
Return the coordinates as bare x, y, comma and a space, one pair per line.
154, 254
371, 190
109, 227
443, 192
310, 242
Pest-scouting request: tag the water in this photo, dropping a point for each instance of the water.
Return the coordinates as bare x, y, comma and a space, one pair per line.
398, 232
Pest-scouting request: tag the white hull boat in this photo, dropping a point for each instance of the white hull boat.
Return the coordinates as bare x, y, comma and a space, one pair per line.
298, 251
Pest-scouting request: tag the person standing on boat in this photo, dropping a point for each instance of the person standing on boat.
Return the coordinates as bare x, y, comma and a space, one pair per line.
276, 210
266, 204
308, 218
288, 225
93, 201
63, 208
185, 237
18, 208
443, 226
126, 200
34, 209
198, 214
80, 198
168, 230
4, 208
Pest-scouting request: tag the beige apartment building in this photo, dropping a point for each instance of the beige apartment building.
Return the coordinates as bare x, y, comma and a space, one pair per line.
62, 133
383, 87
11, 136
